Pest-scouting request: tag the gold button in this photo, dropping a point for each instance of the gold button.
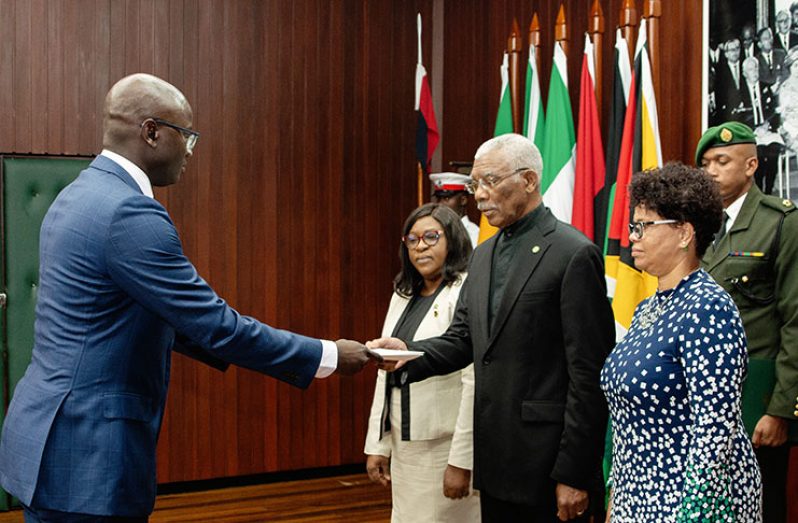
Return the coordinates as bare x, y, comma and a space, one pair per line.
744, 279
536, 249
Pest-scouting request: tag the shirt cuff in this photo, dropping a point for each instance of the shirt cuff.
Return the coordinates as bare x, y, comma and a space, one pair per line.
329, 359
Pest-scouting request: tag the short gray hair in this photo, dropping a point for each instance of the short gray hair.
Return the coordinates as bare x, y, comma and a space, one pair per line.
519, 151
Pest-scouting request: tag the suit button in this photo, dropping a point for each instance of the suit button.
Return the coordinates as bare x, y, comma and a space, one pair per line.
486, 360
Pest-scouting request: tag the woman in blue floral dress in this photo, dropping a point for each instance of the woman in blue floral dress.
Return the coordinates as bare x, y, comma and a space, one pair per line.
680, 451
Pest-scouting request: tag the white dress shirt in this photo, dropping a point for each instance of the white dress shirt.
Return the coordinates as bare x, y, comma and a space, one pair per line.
733, 210
329, 351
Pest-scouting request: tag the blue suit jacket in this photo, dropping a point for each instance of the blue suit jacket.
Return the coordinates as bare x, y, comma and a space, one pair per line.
115, 289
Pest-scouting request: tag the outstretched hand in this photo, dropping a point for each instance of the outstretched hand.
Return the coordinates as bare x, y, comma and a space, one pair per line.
388, 343
353, 356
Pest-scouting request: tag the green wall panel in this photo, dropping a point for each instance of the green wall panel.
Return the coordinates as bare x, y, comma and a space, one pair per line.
29, 187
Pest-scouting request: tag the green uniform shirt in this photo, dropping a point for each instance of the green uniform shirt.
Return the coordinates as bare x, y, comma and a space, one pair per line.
757, 263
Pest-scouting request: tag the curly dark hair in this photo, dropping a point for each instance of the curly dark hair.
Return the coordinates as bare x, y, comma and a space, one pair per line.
682, 193
409, 282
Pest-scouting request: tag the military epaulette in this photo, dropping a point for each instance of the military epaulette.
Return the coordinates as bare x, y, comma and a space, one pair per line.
782, 205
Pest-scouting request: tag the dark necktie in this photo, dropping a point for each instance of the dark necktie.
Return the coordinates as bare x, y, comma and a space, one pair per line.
722, 231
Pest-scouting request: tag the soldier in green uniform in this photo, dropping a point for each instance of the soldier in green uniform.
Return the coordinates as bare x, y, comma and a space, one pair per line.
754, 258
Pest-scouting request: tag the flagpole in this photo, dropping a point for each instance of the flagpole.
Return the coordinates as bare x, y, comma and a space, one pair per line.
628, 21
514, 52
420, 168
597, 36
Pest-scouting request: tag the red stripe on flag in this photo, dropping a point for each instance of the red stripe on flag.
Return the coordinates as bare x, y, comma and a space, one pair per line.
428, 113
589, 156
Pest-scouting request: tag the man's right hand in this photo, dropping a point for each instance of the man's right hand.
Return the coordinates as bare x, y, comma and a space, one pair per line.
377, 468
353, 356
388, 343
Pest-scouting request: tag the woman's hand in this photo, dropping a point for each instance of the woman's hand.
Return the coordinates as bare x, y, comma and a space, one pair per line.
456, 482
378, 469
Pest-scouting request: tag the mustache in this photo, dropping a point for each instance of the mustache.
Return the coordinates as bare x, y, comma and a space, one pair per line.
484, 207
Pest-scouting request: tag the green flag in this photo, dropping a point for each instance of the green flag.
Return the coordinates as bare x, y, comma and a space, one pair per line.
533, 102
557, 182
504, 118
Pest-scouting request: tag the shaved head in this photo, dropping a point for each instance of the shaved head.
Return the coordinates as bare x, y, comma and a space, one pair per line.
133, 99
142, 118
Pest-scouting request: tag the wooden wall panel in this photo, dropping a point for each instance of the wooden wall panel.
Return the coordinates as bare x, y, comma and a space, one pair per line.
291, 206
293, 203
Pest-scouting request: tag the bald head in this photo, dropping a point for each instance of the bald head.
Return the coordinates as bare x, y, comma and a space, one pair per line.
133, 99
142, 120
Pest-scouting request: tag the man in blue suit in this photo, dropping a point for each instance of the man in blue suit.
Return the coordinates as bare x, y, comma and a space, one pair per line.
116, 295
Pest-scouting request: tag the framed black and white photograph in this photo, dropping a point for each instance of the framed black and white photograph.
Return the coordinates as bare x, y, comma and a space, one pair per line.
750, 75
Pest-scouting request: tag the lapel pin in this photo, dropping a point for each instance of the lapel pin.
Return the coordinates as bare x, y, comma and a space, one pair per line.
536, 249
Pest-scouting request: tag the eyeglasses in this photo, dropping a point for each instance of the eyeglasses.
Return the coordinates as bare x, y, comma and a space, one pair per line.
189, 135
637, 229
490, 181
430, 238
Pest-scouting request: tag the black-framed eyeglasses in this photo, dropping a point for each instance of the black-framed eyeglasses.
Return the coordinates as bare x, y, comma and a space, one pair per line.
490, 181
189, 135
430, 238
637, 229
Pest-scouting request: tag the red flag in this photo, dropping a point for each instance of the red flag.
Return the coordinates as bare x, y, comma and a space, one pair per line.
427, 131
589, 151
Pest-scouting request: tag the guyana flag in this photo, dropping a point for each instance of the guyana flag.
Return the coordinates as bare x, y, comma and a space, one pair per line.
620, 98
504, 125
640, 150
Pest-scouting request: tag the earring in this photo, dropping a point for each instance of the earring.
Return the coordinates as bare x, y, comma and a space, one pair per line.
685, 246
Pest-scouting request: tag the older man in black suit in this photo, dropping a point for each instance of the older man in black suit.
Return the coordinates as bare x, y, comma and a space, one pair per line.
534, 319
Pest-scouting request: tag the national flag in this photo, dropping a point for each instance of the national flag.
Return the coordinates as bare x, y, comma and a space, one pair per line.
533, 102
504, 125
427, 130
640, 150
589, 151
557, 182
622, 78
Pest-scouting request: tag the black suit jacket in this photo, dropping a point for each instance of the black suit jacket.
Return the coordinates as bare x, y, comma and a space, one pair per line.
539, 414
770, 74
793, 41
727, 93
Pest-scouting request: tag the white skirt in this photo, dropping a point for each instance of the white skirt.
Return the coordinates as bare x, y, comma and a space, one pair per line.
417, 469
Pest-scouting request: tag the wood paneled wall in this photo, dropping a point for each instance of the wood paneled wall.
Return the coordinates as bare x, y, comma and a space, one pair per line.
293, 203
291, 207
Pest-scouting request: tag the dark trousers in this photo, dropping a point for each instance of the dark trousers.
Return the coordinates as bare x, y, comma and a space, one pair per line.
499, 511
765, 175
38, 515
773, 463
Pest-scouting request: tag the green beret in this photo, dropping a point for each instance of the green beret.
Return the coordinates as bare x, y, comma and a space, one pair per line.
729, 133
